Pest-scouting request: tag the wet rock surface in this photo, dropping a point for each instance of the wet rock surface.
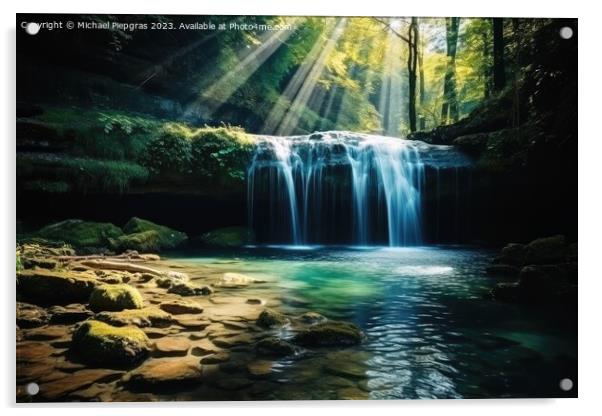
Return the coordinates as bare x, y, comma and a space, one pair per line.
133, 328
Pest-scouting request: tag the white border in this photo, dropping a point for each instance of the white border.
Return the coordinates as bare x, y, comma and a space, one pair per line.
590, 152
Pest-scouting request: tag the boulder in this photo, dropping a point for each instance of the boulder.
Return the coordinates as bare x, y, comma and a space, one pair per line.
188, 289
101, 344
145, 317
269, 318
311, 318
167, 237
329, 334
144, 242
228, 237
80, 233
179, 307
165, 372
275, 347
31, 316
502, 270
512, 254
50, 287
546, 250
115, 298
472, 144
548, 282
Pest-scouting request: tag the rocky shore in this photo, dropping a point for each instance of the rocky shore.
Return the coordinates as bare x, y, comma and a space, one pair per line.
543, 271
134, 327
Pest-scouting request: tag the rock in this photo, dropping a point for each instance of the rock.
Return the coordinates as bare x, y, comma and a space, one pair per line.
217, 358
172, 346
546, 283
192, 323
228, 237
311, 318
178, 307
98, 343
269, 318
44, 263
255, 301
546, 250
204, 347
31, 316
33, 351
259, 368
502, 270
506, 292
188, 289
352, 393
27, 372
329, 334
146, 242
233, 341
472, 144
166, 372
235, 280
144, 317
50, 287
80, 233
47, 333
58, 389
275, 347
167, 237
69, 314
512, 254
115, 298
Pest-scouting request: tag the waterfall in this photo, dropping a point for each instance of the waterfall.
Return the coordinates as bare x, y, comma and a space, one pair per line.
340, 187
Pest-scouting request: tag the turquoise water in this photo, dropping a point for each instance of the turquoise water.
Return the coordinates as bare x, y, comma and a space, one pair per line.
431, 330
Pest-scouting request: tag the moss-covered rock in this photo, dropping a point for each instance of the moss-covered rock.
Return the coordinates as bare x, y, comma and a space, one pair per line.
144, 317
115, 298
188, 289
144, 242
228, 237
101, 344
80, 233
269, 318
51, 287
329, 334
167, 238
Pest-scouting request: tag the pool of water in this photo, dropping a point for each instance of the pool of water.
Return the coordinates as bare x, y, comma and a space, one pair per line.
431, 330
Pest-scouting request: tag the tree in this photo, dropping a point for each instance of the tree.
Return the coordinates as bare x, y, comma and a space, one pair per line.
449, 108
499, 70
412, 63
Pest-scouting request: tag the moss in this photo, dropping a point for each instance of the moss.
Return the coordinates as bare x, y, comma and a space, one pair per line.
102, 344
167, 238
80, 233
115, 298
54, 287
144, 317
144, 242
228, 237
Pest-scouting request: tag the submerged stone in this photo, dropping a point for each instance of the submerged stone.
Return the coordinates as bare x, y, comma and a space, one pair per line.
329, 334
269, 318
276, 347
166, 372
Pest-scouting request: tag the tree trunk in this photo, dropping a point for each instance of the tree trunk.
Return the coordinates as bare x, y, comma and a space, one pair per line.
421, 88
412, 63
487, 70
449, 108
499, 69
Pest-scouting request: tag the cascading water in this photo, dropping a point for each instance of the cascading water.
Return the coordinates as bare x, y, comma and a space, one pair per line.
340, 187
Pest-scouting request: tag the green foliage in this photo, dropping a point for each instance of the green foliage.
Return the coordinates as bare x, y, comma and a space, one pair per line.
213, 154
51, 173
